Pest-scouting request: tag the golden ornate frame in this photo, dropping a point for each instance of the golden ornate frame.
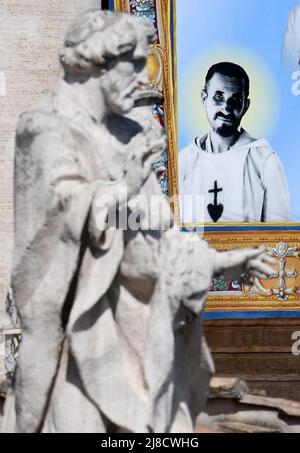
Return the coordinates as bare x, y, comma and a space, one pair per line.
280, 240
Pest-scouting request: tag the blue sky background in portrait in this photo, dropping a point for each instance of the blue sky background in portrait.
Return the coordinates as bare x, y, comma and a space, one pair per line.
250, 33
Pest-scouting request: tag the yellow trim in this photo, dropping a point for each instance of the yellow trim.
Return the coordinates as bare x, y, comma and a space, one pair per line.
175, 189
120, 5
164, 8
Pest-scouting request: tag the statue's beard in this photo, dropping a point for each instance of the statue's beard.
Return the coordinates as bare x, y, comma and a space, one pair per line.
118, 104
117, 97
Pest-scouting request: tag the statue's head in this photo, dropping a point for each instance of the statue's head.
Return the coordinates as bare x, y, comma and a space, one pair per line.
112, 47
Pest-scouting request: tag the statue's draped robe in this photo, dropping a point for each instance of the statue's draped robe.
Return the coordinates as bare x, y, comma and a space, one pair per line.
111, 332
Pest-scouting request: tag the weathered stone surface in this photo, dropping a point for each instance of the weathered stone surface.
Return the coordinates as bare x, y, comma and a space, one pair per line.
233, 411
227, 388
2, 356
286, 407
2, 368
7, 345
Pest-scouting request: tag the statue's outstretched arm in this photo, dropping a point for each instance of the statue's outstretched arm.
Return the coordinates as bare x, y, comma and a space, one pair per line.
253, 262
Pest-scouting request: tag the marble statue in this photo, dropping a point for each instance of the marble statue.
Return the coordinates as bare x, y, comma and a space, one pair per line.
111, 317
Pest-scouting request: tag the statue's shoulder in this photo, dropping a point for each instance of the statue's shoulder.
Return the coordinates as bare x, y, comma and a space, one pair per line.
43, 118
48, 127
35, 122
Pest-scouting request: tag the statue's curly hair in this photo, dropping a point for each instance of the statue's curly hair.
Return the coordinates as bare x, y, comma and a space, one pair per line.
98, 36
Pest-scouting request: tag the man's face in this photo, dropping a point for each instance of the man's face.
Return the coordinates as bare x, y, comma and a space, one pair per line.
123, 77
225, 103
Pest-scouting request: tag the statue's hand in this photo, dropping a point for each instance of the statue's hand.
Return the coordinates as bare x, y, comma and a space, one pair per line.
141, 156
253, 262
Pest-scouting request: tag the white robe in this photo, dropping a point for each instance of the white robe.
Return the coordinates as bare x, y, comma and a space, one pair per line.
250, 177
291, 41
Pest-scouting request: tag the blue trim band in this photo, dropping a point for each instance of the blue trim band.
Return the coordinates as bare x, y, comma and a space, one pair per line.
240, 228
252, 315
254, 228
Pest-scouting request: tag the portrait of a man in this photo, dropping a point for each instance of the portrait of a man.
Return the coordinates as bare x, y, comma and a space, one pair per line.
240, 178
291, 41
